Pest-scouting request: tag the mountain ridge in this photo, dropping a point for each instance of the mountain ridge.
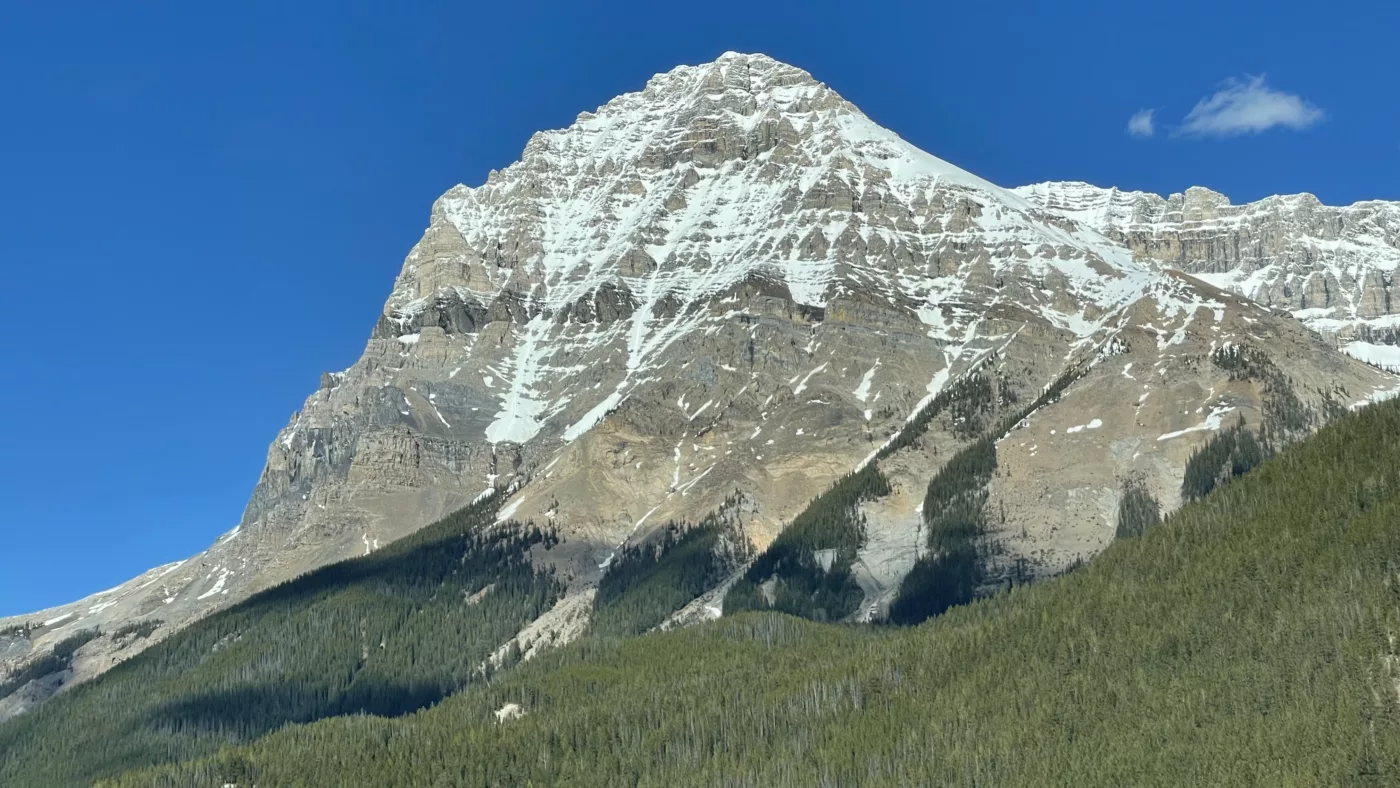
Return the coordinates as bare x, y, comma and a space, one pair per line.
1334, 267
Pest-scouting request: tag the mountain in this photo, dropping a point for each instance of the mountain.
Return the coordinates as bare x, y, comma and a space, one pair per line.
715, 297
1333, 267
1246, 640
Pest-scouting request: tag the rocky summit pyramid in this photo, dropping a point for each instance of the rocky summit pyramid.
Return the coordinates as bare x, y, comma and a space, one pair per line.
723, 292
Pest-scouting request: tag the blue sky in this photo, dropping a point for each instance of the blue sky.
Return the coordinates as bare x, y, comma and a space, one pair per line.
202, 210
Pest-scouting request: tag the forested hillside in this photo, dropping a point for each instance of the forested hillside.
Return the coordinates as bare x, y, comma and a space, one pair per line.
385, 634
849, 326
648, 582
1249, 639
791, 575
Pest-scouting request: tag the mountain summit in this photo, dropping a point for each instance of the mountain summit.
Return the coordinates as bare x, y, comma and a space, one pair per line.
719, 295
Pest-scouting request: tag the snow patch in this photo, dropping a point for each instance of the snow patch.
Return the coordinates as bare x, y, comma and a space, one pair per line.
218, 587
522, 412
1212, 422
1386, 357
803, 385
592, 417
1092, 425
862, 391
508, 712
510, 509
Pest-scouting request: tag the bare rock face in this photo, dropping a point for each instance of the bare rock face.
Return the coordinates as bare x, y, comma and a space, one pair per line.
733, 280
1333, 267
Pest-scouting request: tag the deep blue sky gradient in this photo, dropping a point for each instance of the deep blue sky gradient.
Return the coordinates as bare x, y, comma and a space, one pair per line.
202, 210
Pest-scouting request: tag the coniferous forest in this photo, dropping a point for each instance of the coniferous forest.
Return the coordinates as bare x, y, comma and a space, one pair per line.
1246, 639
648, 582
807, 570
386, 634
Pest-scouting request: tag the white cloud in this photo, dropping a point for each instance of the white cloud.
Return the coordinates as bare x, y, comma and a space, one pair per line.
1143, 123
1248, 106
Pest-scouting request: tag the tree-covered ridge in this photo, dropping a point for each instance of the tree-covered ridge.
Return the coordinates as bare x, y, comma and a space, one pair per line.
1286, 417
971, 402
56, 661
969, 399
647, 582
385, 634
1247, 640
1137, 509
807, 570
1233, 452
953, 569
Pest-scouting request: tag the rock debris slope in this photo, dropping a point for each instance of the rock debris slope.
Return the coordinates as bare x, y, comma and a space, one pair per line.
733, 280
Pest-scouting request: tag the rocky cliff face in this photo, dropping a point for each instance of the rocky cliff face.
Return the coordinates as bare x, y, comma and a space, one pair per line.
1333, 267
733, 280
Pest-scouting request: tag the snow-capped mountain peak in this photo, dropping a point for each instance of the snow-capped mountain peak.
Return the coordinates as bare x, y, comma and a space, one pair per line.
732, 285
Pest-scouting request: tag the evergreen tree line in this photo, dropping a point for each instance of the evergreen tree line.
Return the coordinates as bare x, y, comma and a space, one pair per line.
137, 630
56, 661
1231, 453
21, 630
966, 396
385, 634
1286, 417
953, 569
1246, 640
799, 580
808, 567
646, 583
1137, 509
971, 403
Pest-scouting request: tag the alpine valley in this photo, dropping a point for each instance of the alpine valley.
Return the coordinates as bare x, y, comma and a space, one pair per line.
728, 329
